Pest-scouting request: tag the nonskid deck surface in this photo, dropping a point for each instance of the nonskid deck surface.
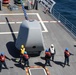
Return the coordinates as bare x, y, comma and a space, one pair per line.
52, 32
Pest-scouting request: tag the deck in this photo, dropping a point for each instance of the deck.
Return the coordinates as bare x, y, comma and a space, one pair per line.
53, 32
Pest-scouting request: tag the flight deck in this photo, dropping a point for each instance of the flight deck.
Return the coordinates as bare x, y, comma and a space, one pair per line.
53, 33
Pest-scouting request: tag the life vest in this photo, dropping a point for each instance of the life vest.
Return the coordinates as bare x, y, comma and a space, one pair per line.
52, 50
22, 51
67, 53
2, 58
47, 54
26, 56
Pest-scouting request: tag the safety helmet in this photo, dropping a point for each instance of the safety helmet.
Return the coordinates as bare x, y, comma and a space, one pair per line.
22, 46
2, 53
52, 45
25, 52
66, 49
46, 50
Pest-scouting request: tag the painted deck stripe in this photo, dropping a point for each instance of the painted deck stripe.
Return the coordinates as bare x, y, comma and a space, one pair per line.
2, 33
8, 33
2, 23
45, 29
42, 23
19, 22
17, 14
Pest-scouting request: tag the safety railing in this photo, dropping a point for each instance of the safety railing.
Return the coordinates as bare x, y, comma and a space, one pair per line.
48, 4
64, 21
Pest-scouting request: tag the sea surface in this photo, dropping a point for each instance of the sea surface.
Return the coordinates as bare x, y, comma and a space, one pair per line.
67, 8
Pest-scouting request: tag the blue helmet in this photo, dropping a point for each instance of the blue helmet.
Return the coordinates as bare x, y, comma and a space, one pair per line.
46, 50
66, 49
2, 53
25, 52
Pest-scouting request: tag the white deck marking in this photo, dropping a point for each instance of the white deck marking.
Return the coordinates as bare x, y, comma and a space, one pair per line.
53, 21
9, 32
37, 68
45, 29
2, 23
40, 20
19, 22
17, 14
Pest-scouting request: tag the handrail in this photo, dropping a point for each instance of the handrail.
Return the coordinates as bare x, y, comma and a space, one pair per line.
71, 27
59, 17
48, 3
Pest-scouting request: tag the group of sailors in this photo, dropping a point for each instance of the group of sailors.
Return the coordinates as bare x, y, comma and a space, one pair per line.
50, 53
24, 57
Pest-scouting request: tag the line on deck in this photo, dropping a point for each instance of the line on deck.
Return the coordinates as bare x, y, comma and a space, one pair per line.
45, 29
8, 32
2, 33
19, 22
17, 14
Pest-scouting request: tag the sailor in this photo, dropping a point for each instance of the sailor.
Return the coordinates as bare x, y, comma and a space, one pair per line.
26, 59
47, 57
66, 55
45, 10
35, 4
22, 50
53, 51
2, 61
32, 3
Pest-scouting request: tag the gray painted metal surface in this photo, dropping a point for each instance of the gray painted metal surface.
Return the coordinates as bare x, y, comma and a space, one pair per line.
30, 34
57, 34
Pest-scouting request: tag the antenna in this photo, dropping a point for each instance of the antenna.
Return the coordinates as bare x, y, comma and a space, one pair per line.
26, 17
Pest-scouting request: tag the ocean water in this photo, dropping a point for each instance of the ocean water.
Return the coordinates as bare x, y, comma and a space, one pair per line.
67, 8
